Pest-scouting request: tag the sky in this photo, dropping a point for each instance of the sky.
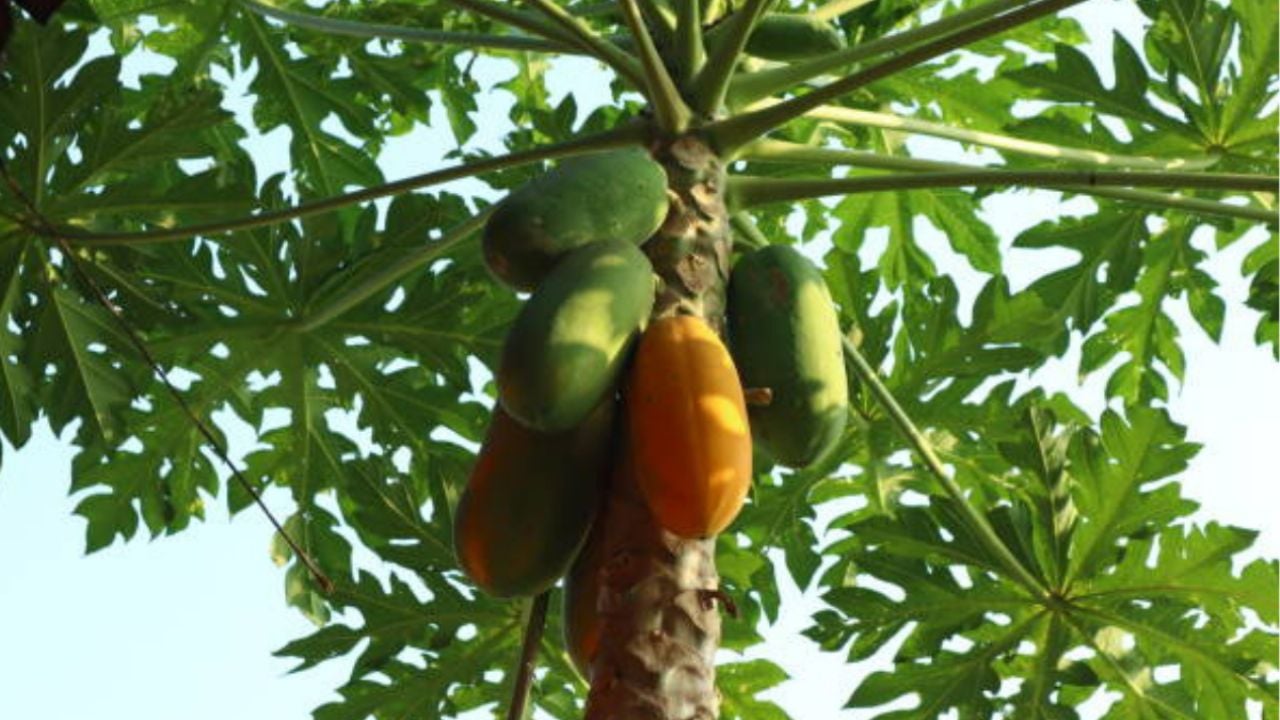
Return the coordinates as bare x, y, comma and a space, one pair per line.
184, 626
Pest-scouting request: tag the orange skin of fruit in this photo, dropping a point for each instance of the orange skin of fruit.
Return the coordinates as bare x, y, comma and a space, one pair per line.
529, 502
690, 441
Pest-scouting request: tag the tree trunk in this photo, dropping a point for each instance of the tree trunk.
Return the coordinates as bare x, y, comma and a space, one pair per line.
660, 627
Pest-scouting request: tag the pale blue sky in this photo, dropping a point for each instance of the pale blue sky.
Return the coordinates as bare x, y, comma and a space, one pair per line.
183, 627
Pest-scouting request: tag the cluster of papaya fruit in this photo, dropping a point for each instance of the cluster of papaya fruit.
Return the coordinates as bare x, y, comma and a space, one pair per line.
584, 350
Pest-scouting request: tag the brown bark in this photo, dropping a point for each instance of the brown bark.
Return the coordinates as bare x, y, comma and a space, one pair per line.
660, 627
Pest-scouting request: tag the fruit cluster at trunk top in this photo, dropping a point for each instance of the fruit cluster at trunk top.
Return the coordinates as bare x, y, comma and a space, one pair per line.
683, 440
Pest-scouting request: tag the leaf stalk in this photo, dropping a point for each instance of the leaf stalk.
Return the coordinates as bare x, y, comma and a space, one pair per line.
669, 108
745, 192
343, 299
907, 427
623, 135
578, 33
353, 28
691, 53
1095, 158
712, 83
780, 151
749, 87
728, 135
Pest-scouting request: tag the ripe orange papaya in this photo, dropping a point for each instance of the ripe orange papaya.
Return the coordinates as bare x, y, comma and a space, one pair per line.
529, 502
687, 425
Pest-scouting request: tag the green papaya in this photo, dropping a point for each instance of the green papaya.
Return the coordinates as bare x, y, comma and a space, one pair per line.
793, 37
529, 502
616, 195
786, 37
784, 335
567, 346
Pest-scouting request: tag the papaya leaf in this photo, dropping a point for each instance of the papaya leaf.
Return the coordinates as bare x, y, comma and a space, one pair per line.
739, 683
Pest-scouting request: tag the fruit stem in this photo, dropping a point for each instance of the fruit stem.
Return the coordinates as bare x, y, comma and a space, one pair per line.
907, 427
747, 232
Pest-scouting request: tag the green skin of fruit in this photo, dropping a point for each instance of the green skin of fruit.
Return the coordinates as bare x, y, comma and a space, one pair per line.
617, 195
786, 38
784, 335
793, 37
568, 345
527, 508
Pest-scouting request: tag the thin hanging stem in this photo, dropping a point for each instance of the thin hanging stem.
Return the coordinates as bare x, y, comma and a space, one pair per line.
730, 134
338, 26
780, 151
366, 286
528, 661
907, 427
135, 339
626, 134
749, 87
836, 8
890, 121
745, 191
577, 32
668, 107
711, 85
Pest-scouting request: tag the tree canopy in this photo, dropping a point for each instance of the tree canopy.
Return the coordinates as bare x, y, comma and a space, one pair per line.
1020, 551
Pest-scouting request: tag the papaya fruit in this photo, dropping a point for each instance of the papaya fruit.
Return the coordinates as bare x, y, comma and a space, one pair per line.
567, 346
785, 37
615, 195
581, 601
688, 428
785, 336
529, 502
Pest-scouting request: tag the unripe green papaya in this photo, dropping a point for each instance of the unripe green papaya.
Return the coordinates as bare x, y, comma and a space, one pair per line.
786, 37
793, 37
568, 344
529, 502
616, 195
785, 336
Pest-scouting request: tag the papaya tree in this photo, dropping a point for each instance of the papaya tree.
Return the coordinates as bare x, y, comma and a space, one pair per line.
720, 347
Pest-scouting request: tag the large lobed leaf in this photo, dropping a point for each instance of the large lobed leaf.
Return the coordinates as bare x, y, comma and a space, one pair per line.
363, 418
